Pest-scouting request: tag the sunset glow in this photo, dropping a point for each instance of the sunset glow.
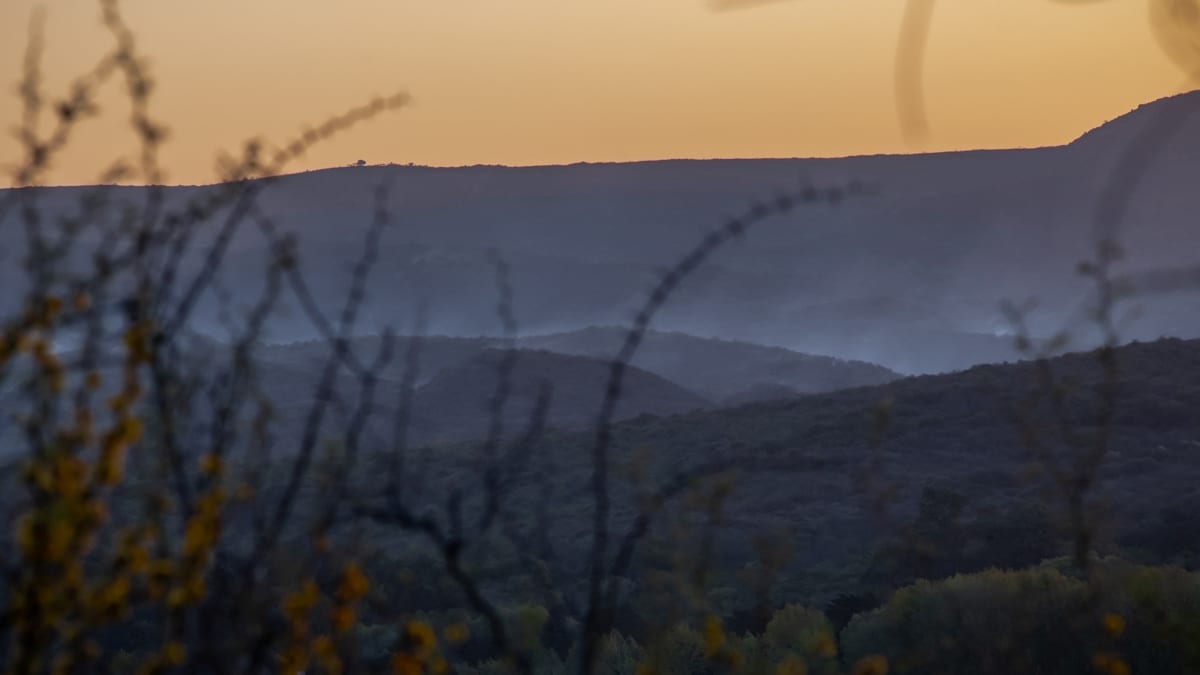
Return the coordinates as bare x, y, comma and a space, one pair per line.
548, 81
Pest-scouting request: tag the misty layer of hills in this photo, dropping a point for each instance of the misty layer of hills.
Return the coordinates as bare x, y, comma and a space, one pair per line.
910, 277
456, 379
721, 369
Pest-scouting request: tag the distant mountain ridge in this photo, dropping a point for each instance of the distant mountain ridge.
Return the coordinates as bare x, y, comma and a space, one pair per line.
952, 234
1128, 124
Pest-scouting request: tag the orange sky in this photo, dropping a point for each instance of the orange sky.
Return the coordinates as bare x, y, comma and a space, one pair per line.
558, 81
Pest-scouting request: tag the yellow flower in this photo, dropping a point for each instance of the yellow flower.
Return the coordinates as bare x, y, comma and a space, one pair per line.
825, 646
197, 537
296, 605
131, 430
113, 595
137, 559
1110, 663
405, 664
456, 633
420, 636
162, 569
792, 665
195, 587
342, 618
69, 473
1114, 625
326, 654
178, 597
174, 653
871, 665
323, 646
354, 584
714, 636
210, 465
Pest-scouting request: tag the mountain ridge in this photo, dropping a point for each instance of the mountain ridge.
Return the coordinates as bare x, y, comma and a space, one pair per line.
1131, 112
951, 236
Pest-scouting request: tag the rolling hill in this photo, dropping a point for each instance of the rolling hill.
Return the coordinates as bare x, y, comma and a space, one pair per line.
455, 404
821, 468
711, 367
452, 399
909, 278
719, 368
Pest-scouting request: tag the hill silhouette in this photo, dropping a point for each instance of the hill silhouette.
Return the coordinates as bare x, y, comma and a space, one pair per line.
455, 403
457, 382
710, 367
719, 368
947, 237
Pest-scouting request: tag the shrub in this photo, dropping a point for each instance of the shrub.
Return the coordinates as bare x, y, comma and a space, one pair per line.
1042, 620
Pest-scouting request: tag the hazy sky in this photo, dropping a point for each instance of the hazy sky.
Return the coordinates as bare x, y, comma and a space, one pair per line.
558, 81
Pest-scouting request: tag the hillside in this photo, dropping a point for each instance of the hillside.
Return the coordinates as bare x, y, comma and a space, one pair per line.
909, 278
710, 367
817, 466
719, 368
456, 384
436, 353
454, 405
